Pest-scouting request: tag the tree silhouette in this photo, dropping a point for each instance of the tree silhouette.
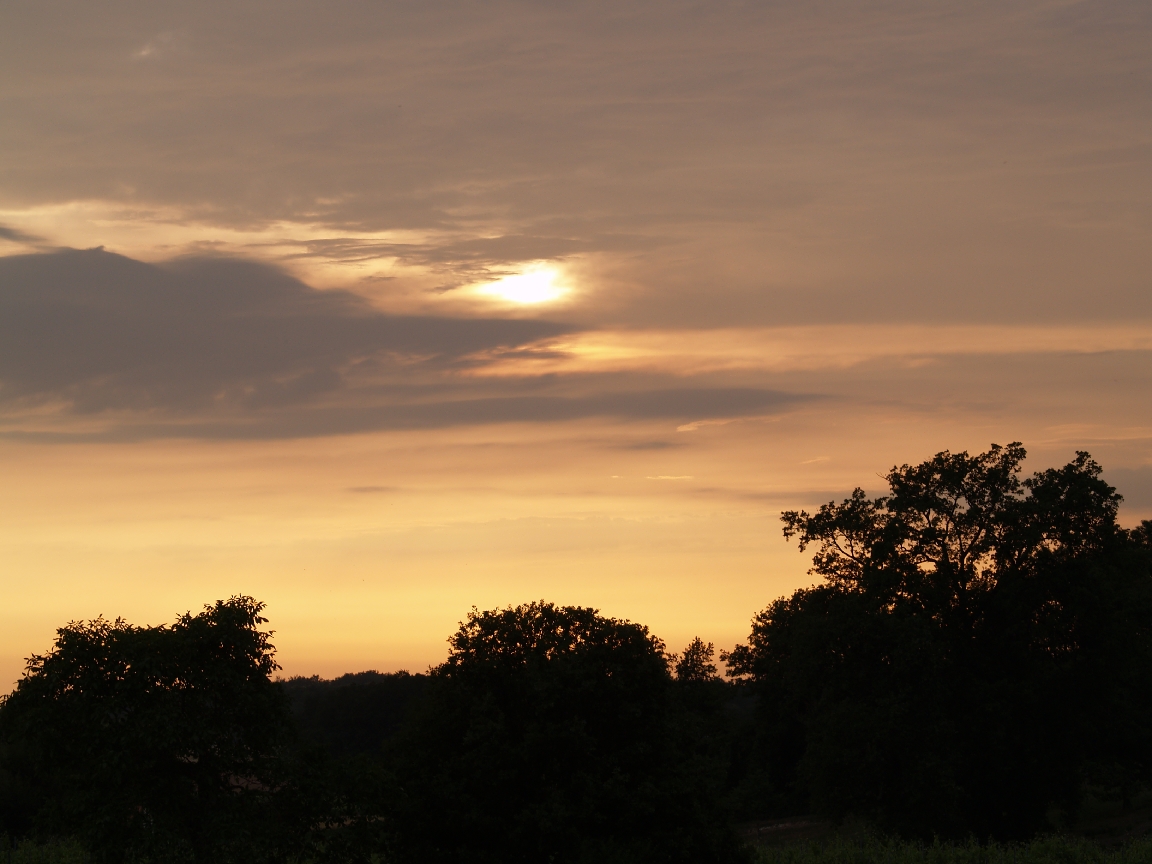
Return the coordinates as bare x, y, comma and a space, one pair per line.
973, 636
151, 740
695, 664
550, 736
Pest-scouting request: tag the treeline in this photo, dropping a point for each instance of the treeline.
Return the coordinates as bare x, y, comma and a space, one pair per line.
975, 659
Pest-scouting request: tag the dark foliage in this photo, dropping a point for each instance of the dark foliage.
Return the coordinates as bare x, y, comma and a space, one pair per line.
149, 741
356, 714
551, 735
695, 664
343, 760
980, 647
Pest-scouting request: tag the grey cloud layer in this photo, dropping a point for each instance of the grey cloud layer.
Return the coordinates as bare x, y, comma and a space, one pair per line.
106, 332
730, 162
226, 348
303, 421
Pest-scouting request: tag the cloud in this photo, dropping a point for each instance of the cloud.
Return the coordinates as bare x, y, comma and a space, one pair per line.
715, 164
301, 421
649, 445
463, 261
473, 253
16, 236
102, 332
221, 348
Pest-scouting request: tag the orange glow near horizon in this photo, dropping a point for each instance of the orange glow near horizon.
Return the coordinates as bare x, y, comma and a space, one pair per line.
368, 549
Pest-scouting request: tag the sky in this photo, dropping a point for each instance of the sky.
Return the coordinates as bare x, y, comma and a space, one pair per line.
379, 311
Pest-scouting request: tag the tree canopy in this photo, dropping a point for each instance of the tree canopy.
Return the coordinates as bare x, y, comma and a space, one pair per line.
973, 634
551, 736
149, 740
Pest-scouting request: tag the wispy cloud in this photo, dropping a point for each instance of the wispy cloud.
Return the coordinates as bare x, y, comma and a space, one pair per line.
14, 235
159, 44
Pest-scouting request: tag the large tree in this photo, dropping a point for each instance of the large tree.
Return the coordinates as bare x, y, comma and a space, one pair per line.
980, 647
149, 741
551, 734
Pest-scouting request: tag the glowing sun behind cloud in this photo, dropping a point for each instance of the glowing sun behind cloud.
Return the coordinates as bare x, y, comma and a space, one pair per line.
537, 284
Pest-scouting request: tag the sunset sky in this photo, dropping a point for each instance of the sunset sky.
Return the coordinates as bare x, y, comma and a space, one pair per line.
378, 311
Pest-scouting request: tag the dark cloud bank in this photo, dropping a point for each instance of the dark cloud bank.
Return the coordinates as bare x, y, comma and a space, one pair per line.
224, 348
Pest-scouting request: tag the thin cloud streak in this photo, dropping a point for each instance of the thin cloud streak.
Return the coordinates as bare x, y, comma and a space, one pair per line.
14, 235
643, 405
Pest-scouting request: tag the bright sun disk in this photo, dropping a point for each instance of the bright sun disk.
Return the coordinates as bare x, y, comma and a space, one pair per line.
538, 285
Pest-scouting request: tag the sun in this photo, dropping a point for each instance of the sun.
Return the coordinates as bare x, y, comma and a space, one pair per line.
538, 284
